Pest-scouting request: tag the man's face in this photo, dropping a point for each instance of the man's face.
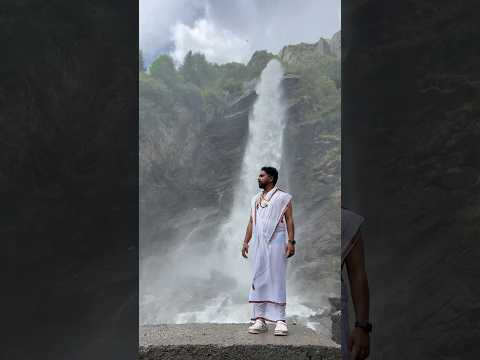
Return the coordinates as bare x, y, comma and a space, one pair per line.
263, 179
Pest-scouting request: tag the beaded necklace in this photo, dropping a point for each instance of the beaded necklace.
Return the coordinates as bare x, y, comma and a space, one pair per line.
263, 201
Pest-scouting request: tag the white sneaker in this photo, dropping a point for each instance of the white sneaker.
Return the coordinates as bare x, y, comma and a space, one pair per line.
258, 327
281, 328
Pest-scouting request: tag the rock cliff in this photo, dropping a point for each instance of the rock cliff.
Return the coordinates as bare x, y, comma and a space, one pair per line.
411, 166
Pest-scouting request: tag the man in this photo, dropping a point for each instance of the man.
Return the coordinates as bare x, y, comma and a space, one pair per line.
271, 219
355, 346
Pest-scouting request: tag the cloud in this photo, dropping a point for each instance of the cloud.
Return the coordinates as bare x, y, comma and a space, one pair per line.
232, 30
156, 17
219, 45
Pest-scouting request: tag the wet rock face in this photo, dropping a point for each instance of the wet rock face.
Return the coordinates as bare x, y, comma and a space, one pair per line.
411, 166
219, 153
312, 161
336, 327
193, 167
336, 44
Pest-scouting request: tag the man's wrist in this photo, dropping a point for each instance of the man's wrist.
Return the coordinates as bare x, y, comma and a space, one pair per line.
364, 325
293, 242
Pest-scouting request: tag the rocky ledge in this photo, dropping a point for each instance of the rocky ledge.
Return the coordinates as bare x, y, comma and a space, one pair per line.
231, 341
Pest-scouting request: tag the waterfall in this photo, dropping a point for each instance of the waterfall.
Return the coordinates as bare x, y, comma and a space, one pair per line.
264, 148
211, 282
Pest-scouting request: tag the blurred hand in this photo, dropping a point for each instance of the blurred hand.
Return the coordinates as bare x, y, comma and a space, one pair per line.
290, 250
245, 250
359, 344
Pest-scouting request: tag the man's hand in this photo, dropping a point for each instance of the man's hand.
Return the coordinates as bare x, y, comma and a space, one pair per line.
289, 250
245, 250
359, 344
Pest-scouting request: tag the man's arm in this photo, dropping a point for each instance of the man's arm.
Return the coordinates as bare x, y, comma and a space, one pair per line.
357, 275
290, 248
248, 236
248, 233
359, 340
289, 221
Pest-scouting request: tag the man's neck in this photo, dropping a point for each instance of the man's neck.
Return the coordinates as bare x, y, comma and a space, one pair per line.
267, 189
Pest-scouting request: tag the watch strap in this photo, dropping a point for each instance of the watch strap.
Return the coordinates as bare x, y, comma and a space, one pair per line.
365, 325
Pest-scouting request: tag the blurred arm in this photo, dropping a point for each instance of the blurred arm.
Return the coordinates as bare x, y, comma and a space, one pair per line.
248, 233
289, 221
357, 275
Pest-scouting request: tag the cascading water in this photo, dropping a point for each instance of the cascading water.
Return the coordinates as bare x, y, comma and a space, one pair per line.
264, 148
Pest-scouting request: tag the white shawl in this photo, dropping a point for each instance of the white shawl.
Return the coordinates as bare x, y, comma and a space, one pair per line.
277, 205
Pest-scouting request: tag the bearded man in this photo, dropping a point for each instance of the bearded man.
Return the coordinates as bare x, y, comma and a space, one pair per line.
271, 223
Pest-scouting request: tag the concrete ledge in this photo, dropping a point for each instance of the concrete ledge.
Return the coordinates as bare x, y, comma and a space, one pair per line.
231, 341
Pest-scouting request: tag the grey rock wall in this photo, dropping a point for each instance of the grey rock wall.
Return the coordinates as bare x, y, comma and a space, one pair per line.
312, 159
411, 166
190, 166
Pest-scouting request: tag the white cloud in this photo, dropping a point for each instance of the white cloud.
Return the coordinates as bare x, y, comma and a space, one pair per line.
156, 17
219, 45
230, 30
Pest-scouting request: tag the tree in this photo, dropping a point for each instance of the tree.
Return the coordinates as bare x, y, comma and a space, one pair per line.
163, 68
197, 70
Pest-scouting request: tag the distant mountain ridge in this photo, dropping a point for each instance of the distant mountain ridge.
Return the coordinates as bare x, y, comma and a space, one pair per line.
309, 52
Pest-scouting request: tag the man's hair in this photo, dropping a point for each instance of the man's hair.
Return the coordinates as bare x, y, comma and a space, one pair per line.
272, 172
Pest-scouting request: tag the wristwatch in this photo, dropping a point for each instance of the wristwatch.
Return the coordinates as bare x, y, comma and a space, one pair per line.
293, 242
365, 325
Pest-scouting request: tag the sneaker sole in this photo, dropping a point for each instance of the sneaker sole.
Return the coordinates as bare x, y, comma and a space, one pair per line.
256, 331
280, 333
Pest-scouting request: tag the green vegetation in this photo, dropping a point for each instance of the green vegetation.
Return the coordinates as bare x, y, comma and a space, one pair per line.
204, 87
320, 82
197, 85
221, 80
164, 70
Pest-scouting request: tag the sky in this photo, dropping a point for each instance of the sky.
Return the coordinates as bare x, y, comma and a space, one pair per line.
232, 30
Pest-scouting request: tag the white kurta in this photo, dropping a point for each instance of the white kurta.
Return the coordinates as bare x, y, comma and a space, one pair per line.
267, 257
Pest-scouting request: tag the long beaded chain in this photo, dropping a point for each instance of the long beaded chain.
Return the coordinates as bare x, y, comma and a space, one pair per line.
265, 200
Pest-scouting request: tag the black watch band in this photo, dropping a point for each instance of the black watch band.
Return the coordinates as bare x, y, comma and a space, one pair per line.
365, 325
293, 242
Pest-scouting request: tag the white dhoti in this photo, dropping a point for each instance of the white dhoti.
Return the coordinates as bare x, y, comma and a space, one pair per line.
269, 299
268, 259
